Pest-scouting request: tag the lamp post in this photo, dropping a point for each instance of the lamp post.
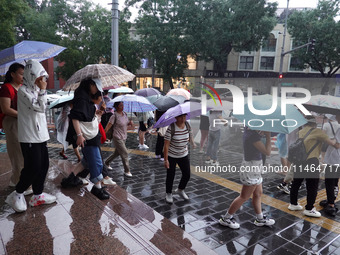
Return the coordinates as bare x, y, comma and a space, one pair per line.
114, 33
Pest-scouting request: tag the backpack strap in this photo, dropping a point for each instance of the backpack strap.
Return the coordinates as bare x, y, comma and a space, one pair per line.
314, 146
309, 131
187, 125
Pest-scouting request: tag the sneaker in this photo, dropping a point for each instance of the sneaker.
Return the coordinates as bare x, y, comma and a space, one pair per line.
201, 151
295, 207
143, 146
182, 194
312, 213
231, 223
168, 198
158, 156
100, 193
161, 159
323, 203
11, 184
264, 222
208, 161
71, 181
215, 163
331, 210
17, 201
85, 182
108, 167
284, 188
42, 199
29, 191
108, 181
128, 174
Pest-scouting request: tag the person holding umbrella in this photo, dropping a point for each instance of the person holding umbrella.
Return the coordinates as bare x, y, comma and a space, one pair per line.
176, 142
85, 128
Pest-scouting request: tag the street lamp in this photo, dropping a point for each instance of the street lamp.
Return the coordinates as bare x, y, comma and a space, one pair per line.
114, 33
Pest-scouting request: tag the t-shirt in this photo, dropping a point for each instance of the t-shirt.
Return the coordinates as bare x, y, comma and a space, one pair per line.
250, 151
215, 115
120, 123
8, 91
328, 129
178, 147
317, 135
332, 155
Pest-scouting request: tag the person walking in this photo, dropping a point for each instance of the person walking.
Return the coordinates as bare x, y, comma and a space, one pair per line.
332, 159
313, 143
32, 135
8, 106
251, 179
120, 121
204, 129
84, 126
176, 142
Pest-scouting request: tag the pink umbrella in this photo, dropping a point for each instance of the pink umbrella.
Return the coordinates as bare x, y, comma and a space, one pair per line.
180, 92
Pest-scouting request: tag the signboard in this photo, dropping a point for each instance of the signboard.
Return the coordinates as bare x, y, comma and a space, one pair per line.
287, 84
337, 91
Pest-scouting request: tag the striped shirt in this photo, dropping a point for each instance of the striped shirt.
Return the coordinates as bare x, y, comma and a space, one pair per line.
178, 147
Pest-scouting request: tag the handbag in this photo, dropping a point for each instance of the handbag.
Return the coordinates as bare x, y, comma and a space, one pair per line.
89, 129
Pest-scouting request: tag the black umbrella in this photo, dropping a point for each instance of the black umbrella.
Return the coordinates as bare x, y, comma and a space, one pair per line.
166, 102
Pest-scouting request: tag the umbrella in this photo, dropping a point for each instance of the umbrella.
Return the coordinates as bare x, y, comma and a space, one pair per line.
133, 103
168, 101
27, 50
154, 98
274, 122
180, 92
122, 89
109, 75
147, 92
324, 104
61, 101
192, 109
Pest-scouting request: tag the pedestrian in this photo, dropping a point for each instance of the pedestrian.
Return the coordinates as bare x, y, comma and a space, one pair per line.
329, 126
204, 129
214, 136
84, 125
142, 118
251, 179
282, 145
160, 138
332, 159
307, 170
9, 109
32, 135
176, 142
119, 122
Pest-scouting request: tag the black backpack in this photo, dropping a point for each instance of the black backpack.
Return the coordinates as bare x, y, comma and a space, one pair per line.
297, 151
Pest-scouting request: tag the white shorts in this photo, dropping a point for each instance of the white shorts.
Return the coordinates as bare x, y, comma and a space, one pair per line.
251, 172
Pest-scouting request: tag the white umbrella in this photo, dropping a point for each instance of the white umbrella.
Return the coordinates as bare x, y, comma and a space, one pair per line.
133, 103
61, 101
121, 90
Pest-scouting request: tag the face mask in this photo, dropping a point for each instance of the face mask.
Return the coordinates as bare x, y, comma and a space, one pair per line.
95, 96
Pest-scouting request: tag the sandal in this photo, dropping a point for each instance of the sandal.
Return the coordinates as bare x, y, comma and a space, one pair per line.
63, 155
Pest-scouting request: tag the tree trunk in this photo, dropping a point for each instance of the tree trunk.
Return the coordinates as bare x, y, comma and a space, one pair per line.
220, 66
153, 74
325, 88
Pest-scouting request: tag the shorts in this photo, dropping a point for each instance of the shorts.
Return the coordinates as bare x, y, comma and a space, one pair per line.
142, 126
251, 172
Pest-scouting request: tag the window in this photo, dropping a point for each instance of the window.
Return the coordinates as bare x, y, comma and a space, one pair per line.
267, 63
269, 44
246, 62
295, 64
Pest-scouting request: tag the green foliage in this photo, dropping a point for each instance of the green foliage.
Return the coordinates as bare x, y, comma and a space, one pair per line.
9, 10
319, 24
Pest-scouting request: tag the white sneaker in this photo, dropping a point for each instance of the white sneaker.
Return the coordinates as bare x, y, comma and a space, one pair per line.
11, 184
42, 199
85, 182
108, 181
108, 167
17, 201
168, 198
208, 161
215, 163
231, 223
295, 207
158, 156
182, 194
264, 222
161, 159
29, 191
128, 174
312, 213
144, 146
201, 151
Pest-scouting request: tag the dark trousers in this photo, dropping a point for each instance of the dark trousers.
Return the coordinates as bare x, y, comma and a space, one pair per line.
331, 183
311, 184
159, 145
184, 165
36, 163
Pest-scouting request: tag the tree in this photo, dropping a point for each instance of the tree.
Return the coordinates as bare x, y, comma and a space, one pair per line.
9, 10
319, 24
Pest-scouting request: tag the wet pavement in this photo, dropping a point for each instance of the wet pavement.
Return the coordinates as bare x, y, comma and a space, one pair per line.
137, 220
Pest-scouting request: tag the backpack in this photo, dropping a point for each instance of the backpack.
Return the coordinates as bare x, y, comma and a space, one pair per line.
187, 125
297, 151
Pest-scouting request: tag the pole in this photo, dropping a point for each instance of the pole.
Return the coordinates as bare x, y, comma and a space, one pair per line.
283, 45
114, 33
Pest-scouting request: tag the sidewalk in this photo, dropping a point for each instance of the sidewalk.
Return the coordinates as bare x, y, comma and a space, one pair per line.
79, 223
